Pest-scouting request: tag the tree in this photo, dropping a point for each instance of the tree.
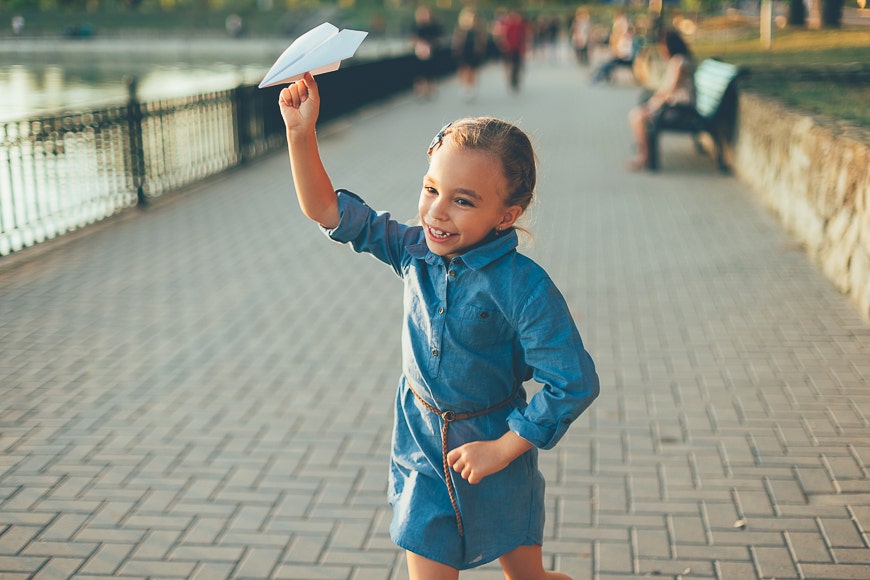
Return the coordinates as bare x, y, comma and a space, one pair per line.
797, 13
832, 13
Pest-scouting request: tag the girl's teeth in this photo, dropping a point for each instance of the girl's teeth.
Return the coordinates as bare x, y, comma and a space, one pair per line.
438, 233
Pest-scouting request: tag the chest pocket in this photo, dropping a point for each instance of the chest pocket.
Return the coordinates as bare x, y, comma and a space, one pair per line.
479, 327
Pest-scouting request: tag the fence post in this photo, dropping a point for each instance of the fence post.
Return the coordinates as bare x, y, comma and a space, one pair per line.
242, 108
137, 148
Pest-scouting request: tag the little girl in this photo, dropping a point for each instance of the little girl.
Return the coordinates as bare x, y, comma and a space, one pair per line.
480, 319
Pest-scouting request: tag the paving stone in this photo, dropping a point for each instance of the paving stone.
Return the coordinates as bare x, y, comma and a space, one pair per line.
208, 570
14, 538
366, 573
258, 562
106, 559
775, 562
615, 558
210, 553
58, 567
335, 556
157, 544
687, 551
680, 568
838, 572
852, 555
301, 572
158, 568
58, 548
736, 570
97, 534
842, 533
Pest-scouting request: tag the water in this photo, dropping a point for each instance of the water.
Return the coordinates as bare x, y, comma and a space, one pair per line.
47, 76
50, 185
28, 90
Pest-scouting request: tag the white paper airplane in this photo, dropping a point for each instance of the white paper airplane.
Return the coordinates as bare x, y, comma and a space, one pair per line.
317, 51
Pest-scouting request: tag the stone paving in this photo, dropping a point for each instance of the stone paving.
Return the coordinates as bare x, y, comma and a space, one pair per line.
204, 389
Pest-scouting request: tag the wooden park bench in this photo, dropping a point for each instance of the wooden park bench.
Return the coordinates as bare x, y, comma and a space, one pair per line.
714, 80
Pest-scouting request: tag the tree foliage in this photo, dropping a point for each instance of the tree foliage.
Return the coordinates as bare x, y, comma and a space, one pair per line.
116, 5
797, 13
832, 13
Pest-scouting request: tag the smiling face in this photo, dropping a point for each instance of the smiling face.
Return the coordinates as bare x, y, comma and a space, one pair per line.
463, 199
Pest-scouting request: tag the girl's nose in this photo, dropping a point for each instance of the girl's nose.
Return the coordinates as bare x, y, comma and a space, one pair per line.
438, 209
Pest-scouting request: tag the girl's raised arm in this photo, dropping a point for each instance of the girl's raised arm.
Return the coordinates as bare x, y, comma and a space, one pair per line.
300, 106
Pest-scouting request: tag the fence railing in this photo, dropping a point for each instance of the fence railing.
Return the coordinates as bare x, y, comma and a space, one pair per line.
64, 172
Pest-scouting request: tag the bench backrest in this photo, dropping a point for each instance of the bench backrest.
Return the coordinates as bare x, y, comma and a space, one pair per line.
712, 78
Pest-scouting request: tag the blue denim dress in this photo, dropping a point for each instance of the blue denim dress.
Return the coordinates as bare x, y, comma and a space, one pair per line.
474, 330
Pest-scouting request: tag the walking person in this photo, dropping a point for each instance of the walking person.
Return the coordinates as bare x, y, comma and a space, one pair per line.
469, 49
581, 34
425, 37
513, 36
479, 320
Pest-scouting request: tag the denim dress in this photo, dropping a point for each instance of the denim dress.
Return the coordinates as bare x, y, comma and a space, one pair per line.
474, 330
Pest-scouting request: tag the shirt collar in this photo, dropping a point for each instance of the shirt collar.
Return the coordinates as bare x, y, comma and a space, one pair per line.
477, 257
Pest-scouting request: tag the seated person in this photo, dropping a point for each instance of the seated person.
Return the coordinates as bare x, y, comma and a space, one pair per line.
623, 51
677, 88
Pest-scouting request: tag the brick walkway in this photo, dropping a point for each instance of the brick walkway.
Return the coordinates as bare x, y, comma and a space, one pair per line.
204, 390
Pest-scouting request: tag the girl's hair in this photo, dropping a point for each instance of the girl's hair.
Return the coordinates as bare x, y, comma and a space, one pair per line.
674, 43
507, 142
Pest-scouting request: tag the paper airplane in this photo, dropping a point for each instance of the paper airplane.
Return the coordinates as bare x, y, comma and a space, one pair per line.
317, 51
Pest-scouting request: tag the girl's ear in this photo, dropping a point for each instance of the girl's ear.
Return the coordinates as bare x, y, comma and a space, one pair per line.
510, 216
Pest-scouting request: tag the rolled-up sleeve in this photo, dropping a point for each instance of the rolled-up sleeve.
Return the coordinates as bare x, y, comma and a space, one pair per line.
354, 214
368, 231
558, 361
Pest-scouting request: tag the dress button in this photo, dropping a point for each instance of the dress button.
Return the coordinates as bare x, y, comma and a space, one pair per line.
452, 273
441, 310
434, 352
484, 314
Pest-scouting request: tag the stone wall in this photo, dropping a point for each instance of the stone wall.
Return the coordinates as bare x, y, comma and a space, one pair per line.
814, 173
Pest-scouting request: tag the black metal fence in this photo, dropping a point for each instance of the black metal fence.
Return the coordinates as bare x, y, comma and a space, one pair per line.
61, 173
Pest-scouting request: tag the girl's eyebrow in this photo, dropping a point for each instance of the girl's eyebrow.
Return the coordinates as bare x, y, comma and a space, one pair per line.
460, 190
469, 193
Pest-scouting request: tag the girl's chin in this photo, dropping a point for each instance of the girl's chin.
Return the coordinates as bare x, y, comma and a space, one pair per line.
437, 248
442, 249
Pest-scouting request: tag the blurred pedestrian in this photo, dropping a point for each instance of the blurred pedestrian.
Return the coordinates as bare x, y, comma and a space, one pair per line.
546, 37
469, 49
513, 36
234, 25
618, 29
17, 24
581, 34
426, 34
623, 53
677, 89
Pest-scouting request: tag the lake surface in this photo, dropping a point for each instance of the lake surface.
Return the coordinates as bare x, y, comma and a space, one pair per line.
47, 76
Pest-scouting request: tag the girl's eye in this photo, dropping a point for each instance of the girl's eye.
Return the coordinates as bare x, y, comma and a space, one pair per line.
464, 202
430, 190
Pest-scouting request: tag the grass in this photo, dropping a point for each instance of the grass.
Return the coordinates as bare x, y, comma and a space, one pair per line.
848, 102
791, 47
795, 48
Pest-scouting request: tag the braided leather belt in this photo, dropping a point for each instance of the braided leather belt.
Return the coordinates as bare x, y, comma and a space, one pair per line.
448, 417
